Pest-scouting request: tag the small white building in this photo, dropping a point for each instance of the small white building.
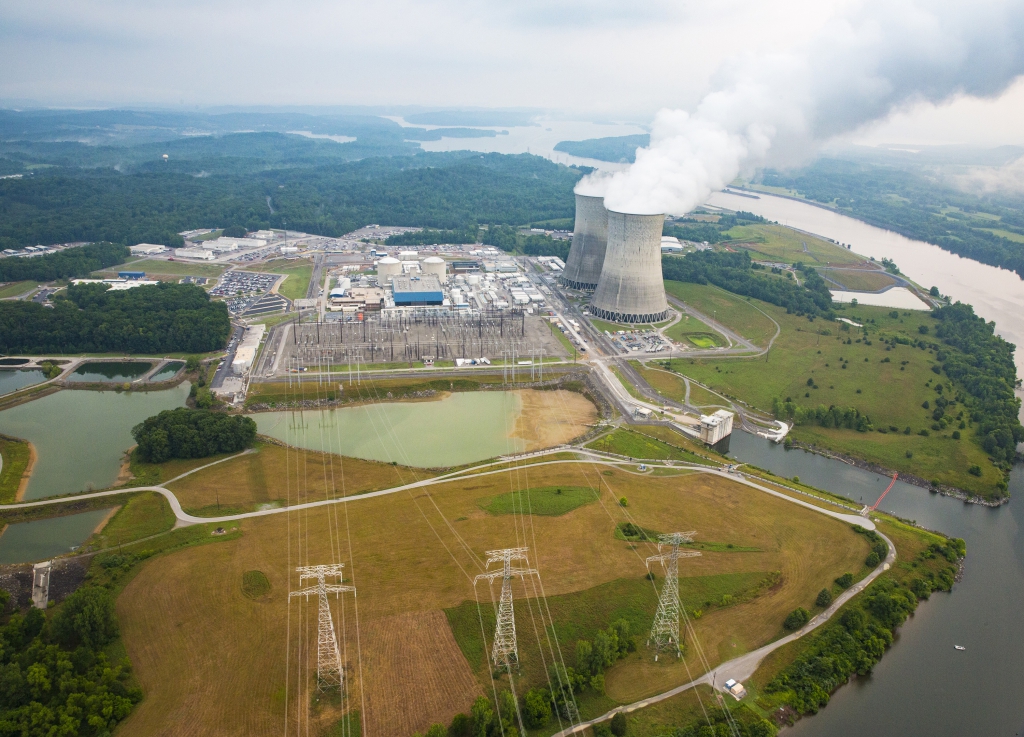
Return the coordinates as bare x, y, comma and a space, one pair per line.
735, 688
201, 254
147, 249
266, 235
715, 427
245, 354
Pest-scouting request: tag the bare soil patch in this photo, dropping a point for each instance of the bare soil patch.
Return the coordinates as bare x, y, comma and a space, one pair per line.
550, 418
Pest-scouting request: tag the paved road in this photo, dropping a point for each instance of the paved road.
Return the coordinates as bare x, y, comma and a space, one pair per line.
224, 370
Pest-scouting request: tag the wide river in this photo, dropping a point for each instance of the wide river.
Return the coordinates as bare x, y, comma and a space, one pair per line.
923, 687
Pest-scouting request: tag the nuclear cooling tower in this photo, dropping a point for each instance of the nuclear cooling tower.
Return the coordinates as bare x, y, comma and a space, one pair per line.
631, 289
589, 239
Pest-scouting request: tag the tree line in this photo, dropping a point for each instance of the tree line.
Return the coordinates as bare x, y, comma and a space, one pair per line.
430, 236
90, 318
735, 273
192, 433
56, 677
511, 239
71, 262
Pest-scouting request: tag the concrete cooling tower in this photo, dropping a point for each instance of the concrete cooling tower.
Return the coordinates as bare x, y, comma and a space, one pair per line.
589, 239
631, 289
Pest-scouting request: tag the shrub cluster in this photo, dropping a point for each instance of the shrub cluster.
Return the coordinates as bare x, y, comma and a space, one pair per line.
192, 433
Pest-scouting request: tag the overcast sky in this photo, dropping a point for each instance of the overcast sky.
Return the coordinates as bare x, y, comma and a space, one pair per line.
623, 59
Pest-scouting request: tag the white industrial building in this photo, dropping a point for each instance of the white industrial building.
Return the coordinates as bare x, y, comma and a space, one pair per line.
195, 253
147, 249
118, 285
227, 244
245, 354
715, 427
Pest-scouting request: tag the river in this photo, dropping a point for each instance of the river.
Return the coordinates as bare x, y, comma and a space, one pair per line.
923, 687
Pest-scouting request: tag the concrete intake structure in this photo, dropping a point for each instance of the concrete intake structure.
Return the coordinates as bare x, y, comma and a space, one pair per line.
589, 241
631, 289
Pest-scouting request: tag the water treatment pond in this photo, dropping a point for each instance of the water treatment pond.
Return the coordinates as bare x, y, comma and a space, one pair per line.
13, 380
30, 542
168, 371
461, 428
112, 371
80, 436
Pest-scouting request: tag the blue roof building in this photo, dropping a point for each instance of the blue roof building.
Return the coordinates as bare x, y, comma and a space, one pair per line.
416, 291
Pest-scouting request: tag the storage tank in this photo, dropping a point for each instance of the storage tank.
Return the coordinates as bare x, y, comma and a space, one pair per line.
387, 268
436, 266
589, 243
631, 289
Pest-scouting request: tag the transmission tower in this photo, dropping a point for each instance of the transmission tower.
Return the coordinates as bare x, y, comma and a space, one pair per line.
505, 653
329, 670
665, 632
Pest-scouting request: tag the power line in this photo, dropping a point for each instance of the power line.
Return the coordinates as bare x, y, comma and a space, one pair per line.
505, 652
329, 669
665, 631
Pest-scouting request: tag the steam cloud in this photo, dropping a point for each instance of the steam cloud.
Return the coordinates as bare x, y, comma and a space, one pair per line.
777, 109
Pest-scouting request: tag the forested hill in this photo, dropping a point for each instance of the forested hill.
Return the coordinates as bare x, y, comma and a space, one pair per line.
988, 229
276, 189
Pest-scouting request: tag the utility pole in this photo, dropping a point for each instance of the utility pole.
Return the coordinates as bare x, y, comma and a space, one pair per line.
329, 669
505, 653
665, 632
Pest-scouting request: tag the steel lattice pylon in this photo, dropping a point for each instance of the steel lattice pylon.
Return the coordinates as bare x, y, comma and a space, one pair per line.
329, 670
665, 632
505, 652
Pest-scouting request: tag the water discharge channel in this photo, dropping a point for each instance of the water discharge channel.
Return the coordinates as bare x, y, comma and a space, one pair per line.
923, 687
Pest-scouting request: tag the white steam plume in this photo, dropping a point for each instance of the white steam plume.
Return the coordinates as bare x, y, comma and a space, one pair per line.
777, 109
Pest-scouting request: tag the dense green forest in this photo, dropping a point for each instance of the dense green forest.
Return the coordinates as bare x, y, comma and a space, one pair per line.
192, 433
613, 148
55, 676
161, 318
702, 231
982, 363
71, 262
917, 206
438, 190
430, 236
736, 273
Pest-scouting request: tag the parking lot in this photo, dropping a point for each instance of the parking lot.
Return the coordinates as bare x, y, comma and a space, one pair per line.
239, 283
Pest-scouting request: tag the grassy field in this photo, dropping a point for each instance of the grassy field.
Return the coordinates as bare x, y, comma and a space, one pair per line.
164, 268
144, 515
412, 556
733, 311
16, 289
548, 501
15, 454
690, 325
297, 271
812, 364
779, 243
863, 281
636, 444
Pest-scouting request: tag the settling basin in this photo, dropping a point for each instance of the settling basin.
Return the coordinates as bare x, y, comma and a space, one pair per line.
112, 371
80, 436
30, 542
11, 380
461, 428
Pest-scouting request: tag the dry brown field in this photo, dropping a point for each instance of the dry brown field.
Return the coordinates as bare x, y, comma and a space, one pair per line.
550, 418
213, 662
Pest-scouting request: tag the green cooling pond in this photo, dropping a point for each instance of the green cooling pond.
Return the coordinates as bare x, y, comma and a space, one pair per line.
461, 428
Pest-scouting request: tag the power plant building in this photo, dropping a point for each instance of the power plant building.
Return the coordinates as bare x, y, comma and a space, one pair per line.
631, 289
714, 428
417, 291
436, 266
387, 269
589, 243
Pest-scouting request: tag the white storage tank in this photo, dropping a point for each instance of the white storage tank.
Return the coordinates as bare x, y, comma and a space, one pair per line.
388, 268
472, 279
436, 266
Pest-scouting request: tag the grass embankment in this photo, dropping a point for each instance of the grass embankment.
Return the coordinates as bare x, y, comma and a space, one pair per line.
17, 288
856, 367
298, 272
857, 280
671, 385
735, 312
410, 556
16, 456
643, 443
283, 393
158, 267
782, 244
246, 483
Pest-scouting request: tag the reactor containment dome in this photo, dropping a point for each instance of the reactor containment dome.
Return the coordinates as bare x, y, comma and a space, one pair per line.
631, 289
589, 241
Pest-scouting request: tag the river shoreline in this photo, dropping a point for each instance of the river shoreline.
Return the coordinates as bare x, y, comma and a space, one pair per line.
950, 491
26, 475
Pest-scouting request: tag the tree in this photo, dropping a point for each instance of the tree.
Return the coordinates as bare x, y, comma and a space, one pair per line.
436, 730
461, 726
796, 619
192, 433
481, 714
536, 708
845, 581
86, 618
824, 598
619, 725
